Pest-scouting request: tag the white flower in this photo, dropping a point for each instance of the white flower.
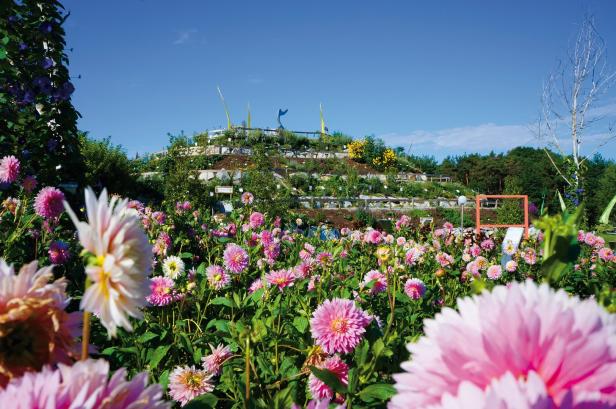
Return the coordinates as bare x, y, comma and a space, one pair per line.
121, 261
173, 266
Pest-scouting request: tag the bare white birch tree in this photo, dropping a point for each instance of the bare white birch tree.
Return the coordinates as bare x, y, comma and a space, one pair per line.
570, 103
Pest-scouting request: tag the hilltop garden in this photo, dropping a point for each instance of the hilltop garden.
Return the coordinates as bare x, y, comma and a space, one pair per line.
123, 284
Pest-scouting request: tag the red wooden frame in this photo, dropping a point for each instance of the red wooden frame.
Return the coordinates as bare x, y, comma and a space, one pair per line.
478, 200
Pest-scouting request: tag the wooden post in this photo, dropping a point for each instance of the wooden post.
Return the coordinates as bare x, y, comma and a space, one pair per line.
526, 216
478, 214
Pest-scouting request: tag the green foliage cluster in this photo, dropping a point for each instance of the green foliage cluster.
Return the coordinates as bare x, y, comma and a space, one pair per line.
37, 118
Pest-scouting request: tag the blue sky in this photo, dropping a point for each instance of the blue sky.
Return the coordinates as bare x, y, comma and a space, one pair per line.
444, 77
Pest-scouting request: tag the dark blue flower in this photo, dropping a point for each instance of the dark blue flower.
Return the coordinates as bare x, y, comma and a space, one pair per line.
52, 144
25, 153
28, 97
23, 46
47, 63
45, 27
43, 84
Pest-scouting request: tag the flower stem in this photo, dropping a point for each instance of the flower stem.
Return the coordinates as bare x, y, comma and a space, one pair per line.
247, 371
85, 337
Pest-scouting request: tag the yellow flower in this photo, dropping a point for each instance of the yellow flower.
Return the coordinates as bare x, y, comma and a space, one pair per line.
356, 149
382, 253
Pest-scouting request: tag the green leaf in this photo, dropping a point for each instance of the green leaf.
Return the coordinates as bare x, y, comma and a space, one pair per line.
205, 401
563, 206
379, 391
158, 355
361, 353
301, 323
186, 255
378, 346
222, 301
148, 336
329, 379
109, 351
5, 40
605, 216
221, 325
163, 379
2, 53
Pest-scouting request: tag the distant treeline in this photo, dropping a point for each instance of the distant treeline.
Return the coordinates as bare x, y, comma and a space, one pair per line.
531, 171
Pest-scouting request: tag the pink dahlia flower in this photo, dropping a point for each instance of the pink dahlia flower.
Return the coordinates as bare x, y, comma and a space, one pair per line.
161, 291
9, 169
414, 288
487, 244
380, 281
213, 362
59, 252
511, 266
86, 384
186, 383
505, 393
256, 219
49, 202
606, 254
530, 256
494, 272
324, 258
255, 286
247, 198
444, 259
280, 278
373, 236
516, 331
318, 388
217, 277
338, 325
236, 258
412, 256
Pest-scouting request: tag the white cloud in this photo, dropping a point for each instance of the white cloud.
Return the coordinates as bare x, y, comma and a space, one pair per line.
479, 138
184, 36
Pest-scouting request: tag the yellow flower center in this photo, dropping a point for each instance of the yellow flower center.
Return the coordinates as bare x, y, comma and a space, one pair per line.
103, 276
217, 277
339, 325
193, 380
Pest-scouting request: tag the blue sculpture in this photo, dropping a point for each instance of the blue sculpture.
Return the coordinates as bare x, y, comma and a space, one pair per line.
281, 113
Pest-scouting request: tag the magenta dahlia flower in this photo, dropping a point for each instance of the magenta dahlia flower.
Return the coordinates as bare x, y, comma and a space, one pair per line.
256, 219
236, 258
318, 388
161, 291
9, 169
186, 383
213, 362
217, 277
414, 288
86, 384
49, 202
380, 281
280, 278
520, 331
338, 325
59, 252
